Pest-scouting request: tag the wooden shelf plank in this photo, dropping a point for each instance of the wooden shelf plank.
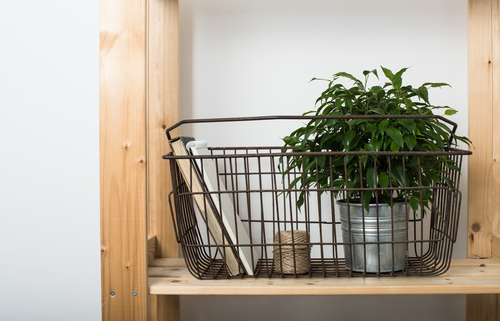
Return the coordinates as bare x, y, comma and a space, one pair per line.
466, 276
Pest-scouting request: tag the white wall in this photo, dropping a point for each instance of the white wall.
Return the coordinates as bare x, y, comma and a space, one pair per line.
49, 160
247, 58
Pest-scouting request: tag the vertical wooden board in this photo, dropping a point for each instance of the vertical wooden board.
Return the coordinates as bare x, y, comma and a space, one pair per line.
496, 114
153, 307
484, 119
481, 307
168, 307
122, 159
163, 111
495, 246
481, 187
164, 307
151, 248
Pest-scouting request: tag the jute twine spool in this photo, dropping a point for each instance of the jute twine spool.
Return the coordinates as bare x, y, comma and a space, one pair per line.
284, 255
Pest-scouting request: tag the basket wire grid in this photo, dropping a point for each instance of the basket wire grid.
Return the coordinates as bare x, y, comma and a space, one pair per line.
265, 200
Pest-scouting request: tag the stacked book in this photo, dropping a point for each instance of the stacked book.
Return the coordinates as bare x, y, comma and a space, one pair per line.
215, 205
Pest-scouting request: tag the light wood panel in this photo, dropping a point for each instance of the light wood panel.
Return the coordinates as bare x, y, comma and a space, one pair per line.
151, 248
169, 307
123, 159
495, 246
164, 307
163, 101
481, 187
153, 307
482, 307
484, 164
170, 276
162, 112
495, 19
458, 262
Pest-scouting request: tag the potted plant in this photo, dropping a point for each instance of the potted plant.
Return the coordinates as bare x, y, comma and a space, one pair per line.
373, 119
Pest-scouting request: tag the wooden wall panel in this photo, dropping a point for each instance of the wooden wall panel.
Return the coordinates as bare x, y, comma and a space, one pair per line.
495, 247
481, 187
123, 159
162, 112
168, 307
484, 131
163, 101
495, 20
482, 307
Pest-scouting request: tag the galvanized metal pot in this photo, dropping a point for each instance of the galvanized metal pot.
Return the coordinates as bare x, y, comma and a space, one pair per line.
379, 224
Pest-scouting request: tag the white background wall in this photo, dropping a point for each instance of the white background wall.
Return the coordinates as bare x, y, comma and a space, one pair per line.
238, 58
49, 161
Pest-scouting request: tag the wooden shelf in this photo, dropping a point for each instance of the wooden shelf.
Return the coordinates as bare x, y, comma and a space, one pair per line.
466, 276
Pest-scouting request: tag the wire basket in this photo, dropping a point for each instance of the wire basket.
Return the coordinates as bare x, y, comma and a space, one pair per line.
231, 206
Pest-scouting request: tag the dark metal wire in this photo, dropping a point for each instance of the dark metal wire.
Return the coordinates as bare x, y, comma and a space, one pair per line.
265, 201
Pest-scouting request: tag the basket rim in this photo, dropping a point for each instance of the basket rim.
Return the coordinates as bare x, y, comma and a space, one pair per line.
451, 151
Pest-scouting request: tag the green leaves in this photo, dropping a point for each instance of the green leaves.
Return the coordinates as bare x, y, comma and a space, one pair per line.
395, 79
372, 128
351, 77
383, 180
346, 95
383, 125
376, 89
368, 72
411, 141
414, 203
409, 124
349, 139
396, 135
388, 73
367, 196
371, 177
450, 112
398, 174
437, 84
291, 140
377, 143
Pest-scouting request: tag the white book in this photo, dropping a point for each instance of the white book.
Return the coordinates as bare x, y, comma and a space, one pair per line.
224, 206
209, 213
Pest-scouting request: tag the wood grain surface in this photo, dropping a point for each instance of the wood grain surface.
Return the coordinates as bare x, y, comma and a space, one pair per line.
481, 179
162, 112
170, 276
484, 164
123, 159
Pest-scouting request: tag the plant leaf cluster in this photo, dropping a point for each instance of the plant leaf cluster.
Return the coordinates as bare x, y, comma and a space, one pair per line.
372, 135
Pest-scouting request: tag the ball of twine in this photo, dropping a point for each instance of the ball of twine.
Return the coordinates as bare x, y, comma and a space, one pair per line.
284, 259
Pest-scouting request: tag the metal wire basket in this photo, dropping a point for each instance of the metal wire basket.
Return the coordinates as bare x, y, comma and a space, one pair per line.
231, 227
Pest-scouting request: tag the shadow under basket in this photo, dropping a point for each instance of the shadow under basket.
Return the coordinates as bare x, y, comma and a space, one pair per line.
247, 223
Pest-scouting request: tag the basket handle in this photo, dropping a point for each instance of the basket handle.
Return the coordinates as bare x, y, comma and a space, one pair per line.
173, 216
285, 117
